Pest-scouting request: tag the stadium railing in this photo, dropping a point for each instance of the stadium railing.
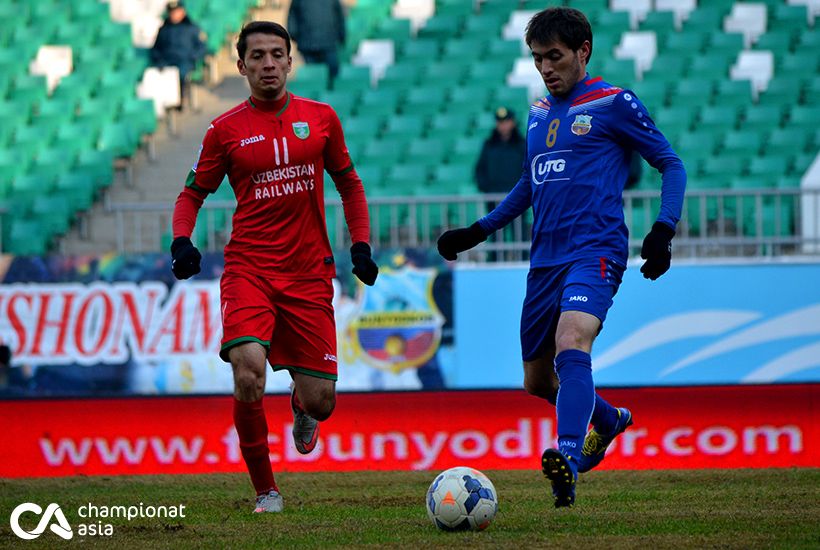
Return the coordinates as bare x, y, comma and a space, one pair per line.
763, 222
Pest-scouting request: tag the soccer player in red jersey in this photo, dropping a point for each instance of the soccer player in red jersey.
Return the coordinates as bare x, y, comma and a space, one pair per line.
276, 289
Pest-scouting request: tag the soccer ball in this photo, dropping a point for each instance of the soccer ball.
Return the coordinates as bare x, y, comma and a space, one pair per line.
461, 499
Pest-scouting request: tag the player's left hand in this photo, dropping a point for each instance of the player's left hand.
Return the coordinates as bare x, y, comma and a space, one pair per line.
363, 265
657, 251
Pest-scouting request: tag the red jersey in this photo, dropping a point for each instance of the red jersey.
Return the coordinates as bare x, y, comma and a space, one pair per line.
275, 154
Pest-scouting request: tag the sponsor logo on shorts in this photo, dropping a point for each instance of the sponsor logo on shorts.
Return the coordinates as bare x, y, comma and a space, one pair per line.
578, 298
330, 357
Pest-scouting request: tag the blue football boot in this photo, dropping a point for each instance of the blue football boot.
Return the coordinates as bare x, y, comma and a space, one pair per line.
561, 471
595, 443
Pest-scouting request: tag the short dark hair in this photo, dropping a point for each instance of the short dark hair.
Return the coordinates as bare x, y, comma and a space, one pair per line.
264, 27
560, 24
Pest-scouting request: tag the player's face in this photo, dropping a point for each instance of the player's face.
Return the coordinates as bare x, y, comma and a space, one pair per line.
559, 66
266, 65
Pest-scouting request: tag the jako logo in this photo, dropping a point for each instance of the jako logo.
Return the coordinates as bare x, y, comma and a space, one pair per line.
578, 298
60, 528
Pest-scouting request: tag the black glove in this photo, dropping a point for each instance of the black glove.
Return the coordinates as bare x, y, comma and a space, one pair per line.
458, 240
657, 251
185, 258
363, 265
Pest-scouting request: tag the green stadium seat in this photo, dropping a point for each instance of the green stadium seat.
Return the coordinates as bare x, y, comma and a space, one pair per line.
402, 76
420, 49
769, 167
801, 163
429, 152
424, 101
733, 93
493, 73
504, 49
405, 127
119, 138
450, 124
445, 73
778, 41
397, 30
466, 150
781, 92
140, 114
652, 92
77, 188
675, 118
662, 23
719, 118
52, 212
380, 101
363, 127
742, 142
405, 178
516, 99
724, 166
453, 176
472, 95
487, 26
726, 43
705, 18
383, 152
461, 47
669, 67
371, 176
26, 238
803, 117
685, 44
441, 27
612, 22
711, 65
98, 164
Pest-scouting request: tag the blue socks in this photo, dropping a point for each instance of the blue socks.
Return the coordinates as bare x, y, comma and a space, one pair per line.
576, 401
604, 416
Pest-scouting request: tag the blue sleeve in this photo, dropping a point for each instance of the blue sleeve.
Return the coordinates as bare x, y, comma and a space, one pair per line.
637, 131
513, 205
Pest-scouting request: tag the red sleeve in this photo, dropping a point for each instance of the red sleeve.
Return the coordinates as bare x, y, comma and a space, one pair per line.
354, 202
205, 176
186, 208
348, 183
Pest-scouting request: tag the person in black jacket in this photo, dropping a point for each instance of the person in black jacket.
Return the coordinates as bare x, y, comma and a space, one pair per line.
318, 28
180, 43
502, 156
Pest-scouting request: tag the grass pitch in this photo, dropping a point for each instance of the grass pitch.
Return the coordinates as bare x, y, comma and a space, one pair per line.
678, 509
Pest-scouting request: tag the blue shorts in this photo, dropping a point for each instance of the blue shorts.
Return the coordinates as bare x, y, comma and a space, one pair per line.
587, 285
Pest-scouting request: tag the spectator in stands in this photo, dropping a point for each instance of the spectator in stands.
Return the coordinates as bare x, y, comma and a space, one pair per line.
318, 28
502, 156
180, 43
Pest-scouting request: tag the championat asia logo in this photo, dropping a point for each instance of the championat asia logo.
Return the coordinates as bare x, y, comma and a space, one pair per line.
96, 518
53, 518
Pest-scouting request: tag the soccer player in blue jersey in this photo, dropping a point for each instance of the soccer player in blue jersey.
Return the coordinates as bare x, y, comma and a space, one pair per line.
579, 142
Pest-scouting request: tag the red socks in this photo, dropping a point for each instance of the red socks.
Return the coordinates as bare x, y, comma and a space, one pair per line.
252, 427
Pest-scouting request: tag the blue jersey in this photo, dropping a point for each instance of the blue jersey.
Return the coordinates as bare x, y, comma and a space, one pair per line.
578, 154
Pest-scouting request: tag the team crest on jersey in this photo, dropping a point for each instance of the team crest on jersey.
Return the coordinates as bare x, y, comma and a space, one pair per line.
582, 125
301, 129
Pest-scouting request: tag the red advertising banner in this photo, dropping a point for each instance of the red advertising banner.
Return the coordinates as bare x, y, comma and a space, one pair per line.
675, 428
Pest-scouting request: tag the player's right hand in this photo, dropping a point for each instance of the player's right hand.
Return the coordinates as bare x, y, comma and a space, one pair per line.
185, 258
458, 240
